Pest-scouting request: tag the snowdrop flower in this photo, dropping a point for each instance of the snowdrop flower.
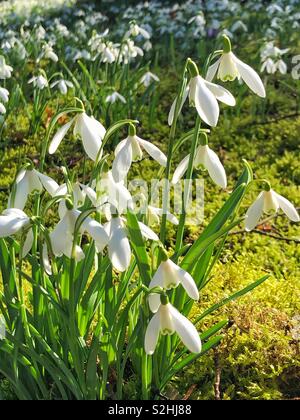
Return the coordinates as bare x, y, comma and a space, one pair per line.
62, 236
114, 97
169, 276
119, 250
115, 194
39, 82
229, 67
207, 159
147, 79
4, 95
130, 50
131, 150
204, 96
5, 70
166, 321
27, 182
12, 220
199, 21
2, 109
62, 85
136, 30
267, 201
271, 59
48, 52
88, 128
269, 66
147, 46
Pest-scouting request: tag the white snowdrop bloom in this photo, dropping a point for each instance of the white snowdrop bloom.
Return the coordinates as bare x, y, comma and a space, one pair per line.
204, 96
49, 53
166, 321
207, 159
2, 109
89, 130
148, 78
228, 67
269, 201
153, 215
281, 66
62, 85
147, 46
107, 190
130, 50
29, 181
4, 95
119, 250
269, 66
131, 150
169, 276
5, 70
136, 30
114, 97
39, 82
62, 236
12, 220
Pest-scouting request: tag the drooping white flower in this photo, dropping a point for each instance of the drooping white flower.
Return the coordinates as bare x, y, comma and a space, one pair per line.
62, 236
12, 220
108, 191
48, 52
4, 95
131, 150
228, 67
169, 276
5, 70
166, 321
204, 96
27, 182
119, 250
39, 82
269, 201
147, 79
90, 131
114, 97
2, 109
205, 158
136, 30
129, 50
62, 85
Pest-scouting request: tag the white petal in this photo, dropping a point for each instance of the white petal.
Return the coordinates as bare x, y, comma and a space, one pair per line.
120, 146
173, 107
170, 217
147, 232
206, 103
60, 238
152, 334
222, 94
154, 152
11, 221
186, 331
187, 281
48, 183
46, 261
21, 193
215, 168
181, 169
157, 281
122, 162
118, 247
250, 77
97, 232
212, 70
57, 139
90, 133
288, 208
27, 244
34, 184
254, 213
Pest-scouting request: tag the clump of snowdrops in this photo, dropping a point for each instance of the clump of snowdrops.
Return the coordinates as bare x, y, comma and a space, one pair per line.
104, 296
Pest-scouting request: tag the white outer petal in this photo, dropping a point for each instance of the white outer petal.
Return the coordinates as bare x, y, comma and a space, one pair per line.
250, 77
48, 183
97, 232
11, 221
173, 107
90, 133
57, 139
205, 102
147, 232
27, 244
254, 213
119, 250
181, 169
122, 162
212, 70
153, 151
215, 168
222, 94
287, 207
186, 331
187, 282
152, 334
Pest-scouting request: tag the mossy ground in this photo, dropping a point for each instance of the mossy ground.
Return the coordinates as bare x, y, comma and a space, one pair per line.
259, 357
